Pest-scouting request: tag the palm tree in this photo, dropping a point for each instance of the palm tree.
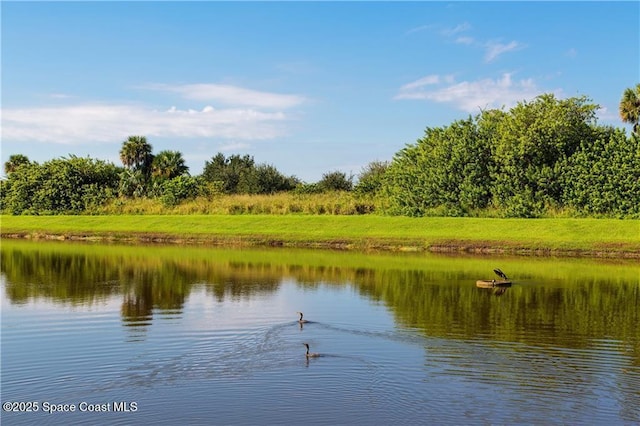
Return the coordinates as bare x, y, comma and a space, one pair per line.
15, 161
136, 153
168, 164
630, 108
136, 156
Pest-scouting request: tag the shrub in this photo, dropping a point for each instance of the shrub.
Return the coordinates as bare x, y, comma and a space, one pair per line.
336, 181
180, 188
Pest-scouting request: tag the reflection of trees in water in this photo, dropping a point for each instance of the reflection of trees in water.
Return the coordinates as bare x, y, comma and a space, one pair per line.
79, 279
137, 307
569, 314
569, 310
146, 283
238, 280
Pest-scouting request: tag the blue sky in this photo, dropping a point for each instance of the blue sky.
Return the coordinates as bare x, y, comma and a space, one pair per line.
307, 87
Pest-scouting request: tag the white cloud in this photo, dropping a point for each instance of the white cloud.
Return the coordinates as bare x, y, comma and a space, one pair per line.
442, 30
449, 32
245, 115
425, 81
96, 123
469, 96
495, 49
230, 95
606, 115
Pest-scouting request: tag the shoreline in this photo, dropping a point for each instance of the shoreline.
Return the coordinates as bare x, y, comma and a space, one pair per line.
451, 246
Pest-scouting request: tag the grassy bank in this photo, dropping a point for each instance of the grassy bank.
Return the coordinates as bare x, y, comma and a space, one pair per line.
589, 237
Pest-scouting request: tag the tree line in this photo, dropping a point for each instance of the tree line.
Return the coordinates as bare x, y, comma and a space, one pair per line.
544, 155
76, 185
547, 154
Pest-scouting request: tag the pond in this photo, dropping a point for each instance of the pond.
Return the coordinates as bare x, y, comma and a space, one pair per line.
115, 334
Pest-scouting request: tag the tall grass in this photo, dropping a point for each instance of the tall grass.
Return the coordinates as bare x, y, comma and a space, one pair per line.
286, 203
334, 203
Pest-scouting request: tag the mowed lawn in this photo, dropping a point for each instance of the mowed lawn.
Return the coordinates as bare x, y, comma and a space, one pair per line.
366, 230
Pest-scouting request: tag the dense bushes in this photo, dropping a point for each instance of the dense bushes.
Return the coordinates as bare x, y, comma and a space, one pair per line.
66, 185
545, 155
603, 177
371, 178
448, 168
531, 146
240, 175
180, 188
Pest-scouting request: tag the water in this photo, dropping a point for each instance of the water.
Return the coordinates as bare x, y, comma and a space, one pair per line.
189, 335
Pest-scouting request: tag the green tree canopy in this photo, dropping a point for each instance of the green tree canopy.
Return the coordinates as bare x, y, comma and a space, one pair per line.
530, 146
630, 107
168, 165
448, 169
371, 178
66, 185
335, 181
603, 176
136, 153
544, 154
15, 161
235, 172
240, 175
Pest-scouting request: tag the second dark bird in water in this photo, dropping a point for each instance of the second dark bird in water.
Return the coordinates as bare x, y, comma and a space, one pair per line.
310, 354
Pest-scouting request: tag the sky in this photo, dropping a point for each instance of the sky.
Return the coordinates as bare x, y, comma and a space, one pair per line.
308, 87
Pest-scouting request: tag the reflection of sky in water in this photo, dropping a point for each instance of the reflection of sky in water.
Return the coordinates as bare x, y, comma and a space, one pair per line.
321, 303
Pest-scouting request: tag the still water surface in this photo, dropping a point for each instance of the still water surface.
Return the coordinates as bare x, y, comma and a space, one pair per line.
186, 335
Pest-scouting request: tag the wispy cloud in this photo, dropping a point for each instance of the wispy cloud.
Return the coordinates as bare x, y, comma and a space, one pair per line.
230, 95
458, 34
469, 96
460, 28
425, 81
441, 29
99, 123
494, 49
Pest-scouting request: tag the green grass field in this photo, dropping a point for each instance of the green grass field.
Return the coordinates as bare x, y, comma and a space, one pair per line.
557, 235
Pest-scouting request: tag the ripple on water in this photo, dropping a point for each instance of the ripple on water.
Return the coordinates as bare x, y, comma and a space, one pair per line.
369, 372
592, 380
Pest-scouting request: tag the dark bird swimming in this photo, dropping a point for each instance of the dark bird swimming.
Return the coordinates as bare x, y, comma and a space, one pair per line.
501, 274
310, 354
301, 321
